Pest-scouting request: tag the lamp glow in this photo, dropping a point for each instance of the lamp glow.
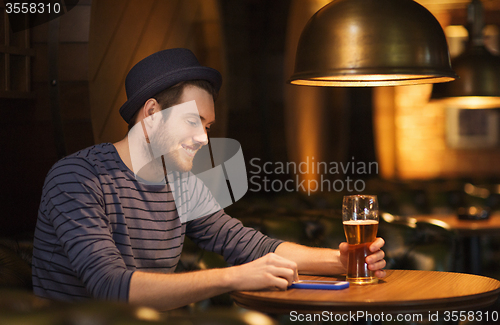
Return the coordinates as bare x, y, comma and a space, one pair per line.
479, 70
359, 43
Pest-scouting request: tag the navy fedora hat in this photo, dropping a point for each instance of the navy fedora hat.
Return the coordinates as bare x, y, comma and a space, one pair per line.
160, 71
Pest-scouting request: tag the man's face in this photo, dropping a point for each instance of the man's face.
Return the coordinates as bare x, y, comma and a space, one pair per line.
185, 129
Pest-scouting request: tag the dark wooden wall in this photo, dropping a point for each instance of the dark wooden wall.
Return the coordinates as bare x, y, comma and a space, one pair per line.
124, 32
37, 131
78, 70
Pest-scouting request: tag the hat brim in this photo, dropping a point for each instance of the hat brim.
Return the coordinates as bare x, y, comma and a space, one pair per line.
153, 87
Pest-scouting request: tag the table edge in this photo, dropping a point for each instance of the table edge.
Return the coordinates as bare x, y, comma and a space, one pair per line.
467, 302
269, 305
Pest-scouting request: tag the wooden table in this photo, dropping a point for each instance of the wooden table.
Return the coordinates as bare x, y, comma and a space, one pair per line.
469, 231
401, 291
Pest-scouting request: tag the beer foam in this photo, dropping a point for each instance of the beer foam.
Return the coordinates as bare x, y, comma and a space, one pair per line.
360, 222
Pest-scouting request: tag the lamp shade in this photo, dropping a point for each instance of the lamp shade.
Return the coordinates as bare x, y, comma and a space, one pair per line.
372, 43
479, 70
479, 83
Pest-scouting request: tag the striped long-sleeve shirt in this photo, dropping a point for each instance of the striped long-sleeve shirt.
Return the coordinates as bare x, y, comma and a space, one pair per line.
97, 224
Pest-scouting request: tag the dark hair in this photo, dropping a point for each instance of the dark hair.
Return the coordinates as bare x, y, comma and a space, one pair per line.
171, 96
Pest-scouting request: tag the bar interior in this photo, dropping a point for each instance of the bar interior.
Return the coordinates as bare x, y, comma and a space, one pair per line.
323, 106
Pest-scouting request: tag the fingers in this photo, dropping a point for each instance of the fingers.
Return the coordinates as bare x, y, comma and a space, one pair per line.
380, 273
377, 245
375, 257
378, 265
376, 260
278, 282
282, 269
283, 273
344, 247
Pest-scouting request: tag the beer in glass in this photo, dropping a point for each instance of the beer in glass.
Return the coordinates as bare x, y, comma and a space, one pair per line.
360, 220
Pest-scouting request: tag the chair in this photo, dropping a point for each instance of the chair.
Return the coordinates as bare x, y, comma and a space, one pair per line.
417, 245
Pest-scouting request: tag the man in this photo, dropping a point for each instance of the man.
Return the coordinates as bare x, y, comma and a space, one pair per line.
110, 228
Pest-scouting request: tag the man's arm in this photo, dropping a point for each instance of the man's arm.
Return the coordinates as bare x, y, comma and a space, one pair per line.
75, 255
168, 291
279, 270
326, 261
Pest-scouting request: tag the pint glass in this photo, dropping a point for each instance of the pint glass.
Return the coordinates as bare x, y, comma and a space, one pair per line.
360, 220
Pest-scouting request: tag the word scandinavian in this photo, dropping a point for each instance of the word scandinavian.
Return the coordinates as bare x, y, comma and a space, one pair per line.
261, 182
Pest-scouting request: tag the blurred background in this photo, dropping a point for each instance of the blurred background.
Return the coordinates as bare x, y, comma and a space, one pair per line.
62, 83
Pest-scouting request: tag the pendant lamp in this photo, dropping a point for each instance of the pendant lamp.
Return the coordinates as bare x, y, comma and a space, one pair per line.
478, 68
351, 43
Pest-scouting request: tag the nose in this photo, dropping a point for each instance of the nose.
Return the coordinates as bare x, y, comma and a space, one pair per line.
201, 138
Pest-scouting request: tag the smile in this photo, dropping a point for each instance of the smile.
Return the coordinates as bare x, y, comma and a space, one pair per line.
191, 151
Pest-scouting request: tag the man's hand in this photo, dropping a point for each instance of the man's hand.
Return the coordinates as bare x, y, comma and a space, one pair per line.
168, 291
269, 271
375, 260
274, 270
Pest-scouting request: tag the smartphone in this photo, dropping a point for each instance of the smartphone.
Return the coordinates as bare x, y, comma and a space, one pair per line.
319, 284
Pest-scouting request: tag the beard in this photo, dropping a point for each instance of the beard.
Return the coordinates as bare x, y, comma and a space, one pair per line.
174, 161
169, 140
154, 172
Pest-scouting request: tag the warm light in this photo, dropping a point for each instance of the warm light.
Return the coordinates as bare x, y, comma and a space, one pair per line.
370, 80
456, 35
478, 68
255, 318
456, 31
373, 77
476, 191
440, 5
365, 43
439, 223
147, 314
472, 102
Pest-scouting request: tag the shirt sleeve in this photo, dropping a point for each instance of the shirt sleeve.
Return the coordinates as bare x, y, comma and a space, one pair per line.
75, 208
228, 237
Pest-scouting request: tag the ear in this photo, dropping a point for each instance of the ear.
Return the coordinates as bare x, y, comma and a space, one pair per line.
150, 107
